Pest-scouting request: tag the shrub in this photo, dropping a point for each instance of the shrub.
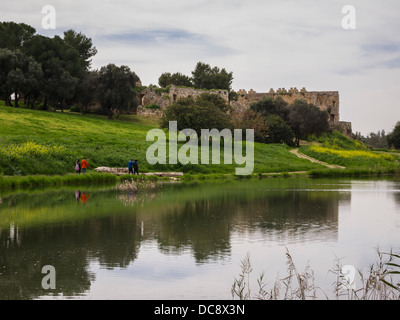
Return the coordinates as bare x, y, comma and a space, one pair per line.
152, 106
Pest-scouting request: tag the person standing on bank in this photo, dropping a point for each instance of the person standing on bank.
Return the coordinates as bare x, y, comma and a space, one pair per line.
84, 165
136, 167
130, 166
78, 167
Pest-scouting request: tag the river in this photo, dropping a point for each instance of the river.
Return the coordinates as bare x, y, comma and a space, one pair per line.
187, 240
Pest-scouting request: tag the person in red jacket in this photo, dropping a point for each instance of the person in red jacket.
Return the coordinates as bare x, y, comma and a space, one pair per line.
84, 165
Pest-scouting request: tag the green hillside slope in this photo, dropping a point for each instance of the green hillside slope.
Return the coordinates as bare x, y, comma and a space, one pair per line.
45, 142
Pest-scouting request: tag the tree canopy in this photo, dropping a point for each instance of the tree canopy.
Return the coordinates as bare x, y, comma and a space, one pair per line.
394, 137
206, 77
203, 77
306, 119
285, 123
83, 45
205, 112
14, 35
177, 79
115, 89
56, 71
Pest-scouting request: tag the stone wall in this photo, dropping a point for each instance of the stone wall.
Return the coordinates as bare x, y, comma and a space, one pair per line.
163, 97
325, 100
343, 127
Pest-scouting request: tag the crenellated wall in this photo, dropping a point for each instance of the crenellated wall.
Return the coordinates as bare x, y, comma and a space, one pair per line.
325, 100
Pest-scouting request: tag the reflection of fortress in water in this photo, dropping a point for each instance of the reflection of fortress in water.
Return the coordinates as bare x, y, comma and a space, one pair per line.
205, 225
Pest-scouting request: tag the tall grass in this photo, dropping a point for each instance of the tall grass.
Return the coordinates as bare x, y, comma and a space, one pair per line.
380, 283
18, 182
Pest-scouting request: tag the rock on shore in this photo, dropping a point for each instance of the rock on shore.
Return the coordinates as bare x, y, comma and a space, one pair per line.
121, 171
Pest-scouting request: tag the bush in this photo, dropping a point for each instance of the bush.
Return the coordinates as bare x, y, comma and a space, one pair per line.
152, 106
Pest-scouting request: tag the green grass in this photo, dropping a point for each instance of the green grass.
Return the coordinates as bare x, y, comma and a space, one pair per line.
353, 155
40, 181
46, 143
36, 142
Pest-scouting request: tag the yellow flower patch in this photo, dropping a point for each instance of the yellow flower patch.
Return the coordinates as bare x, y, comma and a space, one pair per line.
29, 148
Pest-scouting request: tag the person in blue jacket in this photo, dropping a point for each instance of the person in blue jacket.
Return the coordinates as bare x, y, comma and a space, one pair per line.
130, 166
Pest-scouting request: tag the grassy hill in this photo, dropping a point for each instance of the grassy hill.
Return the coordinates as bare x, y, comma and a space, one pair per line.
36, 142
45, 142
355, 156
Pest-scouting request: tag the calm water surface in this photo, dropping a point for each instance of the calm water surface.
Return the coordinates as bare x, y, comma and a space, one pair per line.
186, 241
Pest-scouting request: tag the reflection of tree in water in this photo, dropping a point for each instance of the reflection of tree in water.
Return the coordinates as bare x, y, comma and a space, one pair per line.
200, 225
397, 192
24, 252
206, 226
69, 249
203, 223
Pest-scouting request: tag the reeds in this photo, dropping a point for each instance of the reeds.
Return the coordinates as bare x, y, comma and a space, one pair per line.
292, 287
26, 182
380, 283
130, 189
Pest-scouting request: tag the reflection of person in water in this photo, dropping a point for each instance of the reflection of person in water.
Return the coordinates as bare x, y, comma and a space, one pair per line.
78, 195
84, 197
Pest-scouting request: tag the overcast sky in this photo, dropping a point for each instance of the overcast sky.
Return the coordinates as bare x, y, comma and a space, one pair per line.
265, 43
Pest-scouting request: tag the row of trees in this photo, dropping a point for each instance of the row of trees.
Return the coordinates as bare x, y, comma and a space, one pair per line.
56, 71
380, 139
203, 77
373, 139
273, 120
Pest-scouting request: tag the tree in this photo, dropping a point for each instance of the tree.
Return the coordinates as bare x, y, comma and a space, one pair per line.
25, 77
216, 100
206, 77
177, 79
62, 88
33, 83
61, 65
393, 138
197, 114
83, 45
306, 119
270, 106
14, 35
8, 61
374, 140
86, 90
250, 119
279, 131
115, 90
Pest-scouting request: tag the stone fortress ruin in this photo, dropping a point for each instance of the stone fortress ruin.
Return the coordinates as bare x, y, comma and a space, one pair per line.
325, 100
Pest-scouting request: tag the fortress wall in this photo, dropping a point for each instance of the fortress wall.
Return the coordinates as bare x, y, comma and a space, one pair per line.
163, 99
325, 100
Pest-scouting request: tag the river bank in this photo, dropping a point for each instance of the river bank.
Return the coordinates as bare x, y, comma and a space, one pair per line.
8, 183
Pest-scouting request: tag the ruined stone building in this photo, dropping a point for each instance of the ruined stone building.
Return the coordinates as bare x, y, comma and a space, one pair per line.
325, 100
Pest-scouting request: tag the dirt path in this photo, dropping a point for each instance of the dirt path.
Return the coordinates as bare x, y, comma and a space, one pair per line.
303, 156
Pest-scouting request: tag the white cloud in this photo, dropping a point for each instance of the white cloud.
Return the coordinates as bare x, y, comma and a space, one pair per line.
276, 43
